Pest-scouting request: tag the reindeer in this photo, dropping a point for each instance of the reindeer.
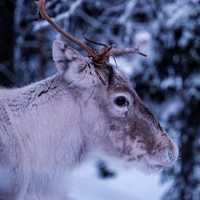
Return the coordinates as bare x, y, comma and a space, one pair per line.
49, 127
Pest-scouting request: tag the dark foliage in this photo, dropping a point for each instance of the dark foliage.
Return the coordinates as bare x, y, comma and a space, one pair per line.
176, 69
6, 42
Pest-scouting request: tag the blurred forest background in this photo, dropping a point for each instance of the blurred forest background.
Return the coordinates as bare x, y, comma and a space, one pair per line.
168, 80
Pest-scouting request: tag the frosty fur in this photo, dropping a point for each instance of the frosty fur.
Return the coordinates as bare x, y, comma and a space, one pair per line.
51, 126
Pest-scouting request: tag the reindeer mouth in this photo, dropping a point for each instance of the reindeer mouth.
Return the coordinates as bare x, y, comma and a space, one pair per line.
154, 163
151, 168
162, 161
155, 168
145, 167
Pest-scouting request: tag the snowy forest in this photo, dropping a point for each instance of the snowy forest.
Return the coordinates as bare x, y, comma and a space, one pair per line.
168, 79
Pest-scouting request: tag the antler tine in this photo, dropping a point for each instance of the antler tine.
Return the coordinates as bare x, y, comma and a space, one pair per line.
121, 52
44, 15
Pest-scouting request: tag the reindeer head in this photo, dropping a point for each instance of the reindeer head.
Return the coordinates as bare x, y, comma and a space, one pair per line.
119, 121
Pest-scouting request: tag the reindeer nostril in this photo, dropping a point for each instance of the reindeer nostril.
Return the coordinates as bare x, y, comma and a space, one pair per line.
166, 153
171, 156
167, 156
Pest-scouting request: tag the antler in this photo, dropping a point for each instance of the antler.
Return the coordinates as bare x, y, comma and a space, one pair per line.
44, 15
99, 60
121, 52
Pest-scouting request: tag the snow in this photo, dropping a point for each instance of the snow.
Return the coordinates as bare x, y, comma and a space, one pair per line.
124, 65
178, 12
194, 80
171, 82
127, 185
170, 108
128, 11
142, 38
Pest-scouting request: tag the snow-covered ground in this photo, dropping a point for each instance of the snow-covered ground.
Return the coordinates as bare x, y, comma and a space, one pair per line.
127, 185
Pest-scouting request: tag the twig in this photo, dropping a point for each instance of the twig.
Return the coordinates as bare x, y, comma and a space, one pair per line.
121, 52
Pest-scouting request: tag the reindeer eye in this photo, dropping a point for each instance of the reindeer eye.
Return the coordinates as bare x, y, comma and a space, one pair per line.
121, 101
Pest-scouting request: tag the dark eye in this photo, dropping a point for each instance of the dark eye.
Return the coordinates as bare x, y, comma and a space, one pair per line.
121, 101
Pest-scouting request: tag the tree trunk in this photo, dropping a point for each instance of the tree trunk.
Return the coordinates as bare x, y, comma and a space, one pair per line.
6, 41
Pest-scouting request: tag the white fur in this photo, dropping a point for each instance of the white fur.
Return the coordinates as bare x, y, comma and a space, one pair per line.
50, 127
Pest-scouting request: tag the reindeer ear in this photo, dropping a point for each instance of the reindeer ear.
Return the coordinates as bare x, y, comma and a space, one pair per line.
58, 54
62, 54
73, 65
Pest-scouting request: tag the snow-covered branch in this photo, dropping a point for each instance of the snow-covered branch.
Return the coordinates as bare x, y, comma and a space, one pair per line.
128, 11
